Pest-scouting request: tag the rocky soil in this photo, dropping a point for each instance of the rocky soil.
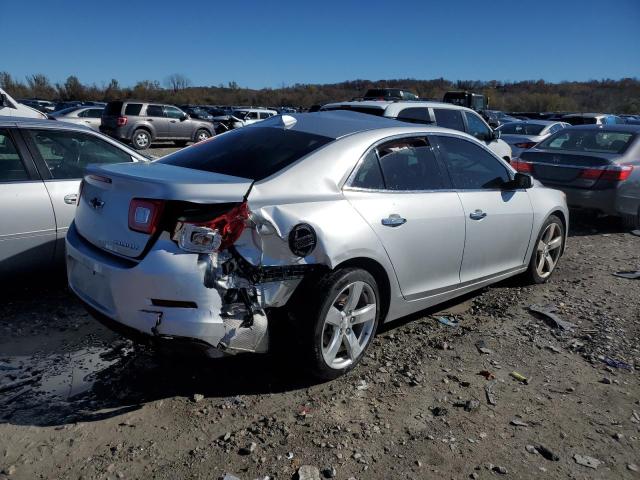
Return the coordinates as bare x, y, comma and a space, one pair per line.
507, 393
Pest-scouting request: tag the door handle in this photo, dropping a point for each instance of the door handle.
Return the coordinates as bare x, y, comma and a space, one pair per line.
477, 215
149, 119
393, 220
172, 121
71, 199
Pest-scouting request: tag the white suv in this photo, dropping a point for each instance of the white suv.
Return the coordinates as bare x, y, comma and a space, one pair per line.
433, 113
247, 116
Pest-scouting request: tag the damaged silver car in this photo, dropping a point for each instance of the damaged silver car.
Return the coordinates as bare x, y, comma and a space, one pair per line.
340, 220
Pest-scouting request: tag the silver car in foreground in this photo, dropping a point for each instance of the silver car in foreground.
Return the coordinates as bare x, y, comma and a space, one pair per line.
338, 219
523, 135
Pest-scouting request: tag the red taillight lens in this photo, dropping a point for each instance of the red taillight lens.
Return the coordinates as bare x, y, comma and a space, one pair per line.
230, 225
525, 145
144, 215
122, 121
521, 166
612, 173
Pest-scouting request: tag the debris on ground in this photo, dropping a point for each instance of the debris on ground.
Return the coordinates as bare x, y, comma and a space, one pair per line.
449, 322
482, 347
587, 461
516, 422
488, 390
554, 321
630, 274
308, 472
547, 453
487, 374
616, 363
521, 378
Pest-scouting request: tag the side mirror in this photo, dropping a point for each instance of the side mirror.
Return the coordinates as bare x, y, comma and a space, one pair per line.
495, 134
520, 181
184, 117
3, 99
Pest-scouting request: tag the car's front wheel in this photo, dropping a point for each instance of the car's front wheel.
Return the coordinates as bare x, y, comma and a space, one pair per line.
343, 321
547, 250
141, 139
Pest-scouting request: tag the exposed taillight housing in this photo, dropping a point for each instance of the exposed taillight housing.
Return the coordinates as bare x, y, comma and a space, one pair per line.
611, 173
122, 121
525, 145
213, 235
144, 215
521, 166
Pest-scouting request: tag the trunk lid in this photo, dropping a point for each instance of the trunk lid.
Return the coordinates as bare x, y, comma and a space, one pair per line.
566, 169
102, 215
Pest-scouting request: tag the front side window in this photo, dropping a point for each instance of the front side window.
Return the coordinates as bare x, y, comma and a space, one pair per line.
11, 167
154, 111
470, 166
369, 174
449, 118
173, 112
94, 113
476, 126
252, 116
67, 153
410, 164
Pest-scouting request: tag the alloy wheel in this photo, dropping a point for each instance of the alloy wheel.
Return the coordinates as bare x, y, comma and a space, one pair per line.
548, 250
348, 325
202, 136
142, 139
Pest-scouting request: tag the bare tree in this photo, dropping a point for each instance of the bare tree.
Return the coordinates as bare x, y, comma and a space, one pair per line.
40, 86
177, 82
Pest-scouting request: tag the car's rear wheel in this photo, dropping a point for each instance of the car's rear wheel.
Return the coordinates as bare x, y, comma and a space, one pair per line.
202, 134
141, 139
547, 250
343, 321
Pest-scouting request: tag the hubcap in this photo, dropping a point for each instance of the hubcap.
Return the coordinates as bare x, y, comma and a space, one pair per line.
142, 139
548, 250
348, 325
202, 136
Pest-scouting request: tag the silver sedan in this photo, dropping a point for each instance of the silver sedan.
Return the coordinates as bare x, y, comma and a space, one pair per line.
341, 220
523, 135
89, 116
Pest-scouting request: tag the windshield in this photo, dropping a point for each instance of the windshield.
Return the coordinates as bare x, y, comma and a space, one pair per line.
521, 128
588, 141
251, 152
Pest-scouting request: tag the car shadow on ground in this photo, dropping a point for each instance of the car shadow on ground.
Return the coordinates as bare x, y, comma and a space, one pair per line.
94, 375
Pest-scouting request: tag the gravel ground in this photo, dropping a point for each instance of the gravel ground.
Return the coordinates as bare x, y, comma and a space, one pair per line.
428, 401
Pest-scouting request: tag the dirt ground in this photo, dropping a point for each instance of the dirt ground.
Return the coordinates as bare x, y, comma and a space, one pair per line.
428, 401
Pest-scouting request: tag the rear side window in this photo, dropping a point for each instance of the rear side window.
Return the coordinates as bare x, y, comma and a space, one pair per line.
415, 115
250, 152
470, 166
410, 164
448, 118
477, 127
113, 109
11, 167
369, 175
133, 109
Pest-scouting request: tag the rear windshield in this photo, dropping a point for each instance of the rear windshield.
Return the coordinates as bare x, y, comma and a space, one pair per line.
588, 141
521, 128
113, 109
250, 152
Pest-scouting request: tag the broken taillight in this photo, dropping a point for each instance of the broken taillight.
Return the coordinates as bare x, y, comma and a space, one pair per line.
213, 235
144, 215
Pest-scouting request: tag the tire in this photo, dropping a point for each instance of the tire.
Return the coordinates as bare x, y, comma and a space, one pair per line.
141, 139
330, 334
631, 222
546, 251
201, 135
180, 143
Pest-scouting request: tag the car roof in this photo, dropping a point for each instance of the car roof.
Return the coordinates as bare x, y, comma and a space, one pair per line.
394, 106
37, 123
535, 122
585, 115
618, 127
341, 123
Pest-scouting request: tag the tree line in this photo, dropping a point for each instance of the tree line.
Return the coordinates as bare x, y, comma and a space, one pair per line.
609, 96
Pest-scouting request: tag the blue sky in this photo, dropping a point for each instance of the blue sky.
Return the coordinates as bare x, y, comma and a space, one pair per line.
269, 43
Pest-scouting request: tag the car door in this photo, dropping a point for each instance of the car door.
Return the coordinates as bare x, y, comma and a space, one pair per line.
155, 115
27, 226
498, 221
404, 194
61, 157
91, 117
179, 126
